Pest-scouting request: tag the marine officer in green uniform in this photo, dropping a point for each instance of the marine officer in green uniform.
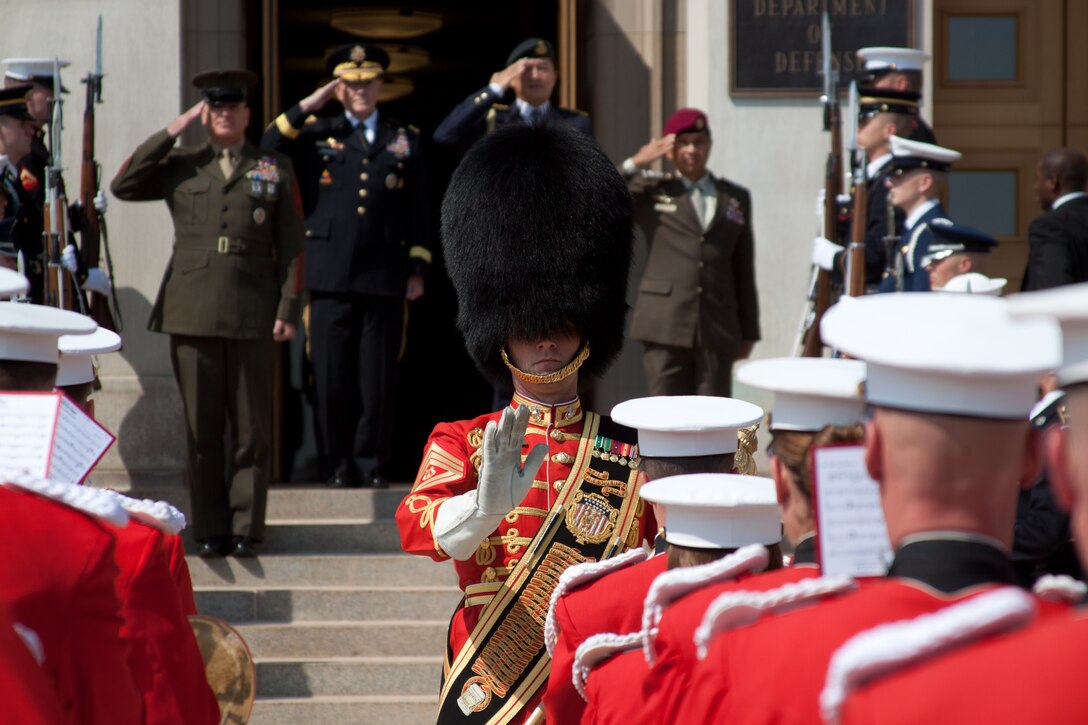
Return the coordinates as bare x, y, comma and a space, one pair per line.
228, 295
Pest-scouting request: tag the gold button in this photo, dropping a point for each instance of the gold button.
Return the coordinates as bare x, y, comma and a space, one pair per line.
309, 233
362, 193
366, 161
701, 265
361, 210
363, 176
476, 100
699, 290
563, 458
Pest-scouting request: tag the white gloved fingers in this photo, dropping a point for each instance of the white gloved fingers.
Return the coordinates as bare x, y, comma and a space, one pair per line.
821, 199
97, 281
68, 258
490, 446
100, 201
823, 253
533, 461
518, 425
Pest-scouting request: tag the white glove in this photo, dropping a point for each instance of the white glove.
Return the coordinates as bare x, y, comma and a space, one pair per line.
463, 521
97, 281
821, 197
101, 202
69, 259
823, 253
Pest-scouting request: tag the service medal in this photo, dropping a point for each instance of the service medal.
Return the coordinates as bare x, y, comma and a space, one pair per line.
259, 215
391, 181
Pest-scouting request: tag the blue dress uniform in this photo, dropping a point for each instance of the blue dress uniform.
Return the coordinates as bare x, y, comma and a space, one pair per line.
366, 232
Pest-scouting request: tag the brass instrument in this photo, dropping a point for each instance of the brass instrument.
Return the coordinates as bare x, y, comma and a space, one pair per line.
229, 667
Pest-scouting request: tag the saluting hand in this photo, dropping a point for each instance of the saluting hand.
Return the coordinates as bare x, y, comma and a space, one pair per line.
654, 150
182, 122
507, 75
316, 100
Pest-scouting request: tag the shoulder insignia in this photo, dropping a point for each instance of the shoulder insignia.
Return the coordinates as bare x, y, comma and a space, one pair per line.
89, 500
500, 106
157, 514
675, 583
581, 574
595, 650
28, 180
439, 466
889, 647
310, 119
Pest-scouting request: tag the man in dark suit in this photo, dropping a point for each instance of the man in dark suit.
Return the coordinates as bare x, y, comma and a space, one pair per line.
227, 295
530, 71
1058, 240
364, 194
697, 309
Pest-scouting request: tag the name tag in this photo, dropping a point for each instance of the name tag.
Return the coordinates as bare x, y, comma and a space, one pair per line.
664, 206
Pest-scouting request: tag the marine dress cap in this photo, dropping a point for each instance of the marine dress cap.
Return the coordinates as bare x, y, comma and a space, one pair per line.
872, 100
686, 425
34, 70
357, 62
880, 60
716, 510
974, 283
949, 239
30, 332
908, 154
75, 365
224, 86
809, 392
531, 48
685, 120
1069, 306
948, 354
12, 283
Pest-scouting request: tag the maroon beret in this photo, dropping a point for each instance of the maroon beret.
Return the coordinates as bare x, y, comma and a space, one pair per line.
686, 119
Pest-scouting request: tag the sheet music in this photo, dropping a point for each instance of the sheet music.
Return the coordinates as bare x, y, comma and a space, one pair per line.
853, 534
26, 431
79, 443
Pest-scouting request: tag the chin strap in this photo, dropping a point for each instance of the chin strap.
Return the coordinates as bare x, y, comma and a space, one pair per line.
562, 374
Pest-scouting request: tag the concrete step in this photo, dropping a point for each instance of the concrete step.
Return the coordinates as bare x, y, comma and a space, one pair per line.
330, 536
323, 604
345, 710
301, 677
287, 570
317, 640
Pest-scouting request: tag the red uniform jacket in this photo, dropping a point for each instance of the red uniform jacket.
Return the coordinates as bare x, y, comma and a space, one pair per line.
28, 696
164, 655
612, 603
612, 691
58, 577
1034, 675
179, 569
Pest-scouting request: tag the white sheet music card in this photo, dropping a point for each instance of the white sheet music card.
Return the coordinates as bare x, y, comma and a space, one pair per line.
48, 435
853, 534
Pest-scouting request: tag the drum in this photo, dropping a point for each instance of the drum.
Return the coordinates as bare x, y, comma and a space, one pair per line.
229, 667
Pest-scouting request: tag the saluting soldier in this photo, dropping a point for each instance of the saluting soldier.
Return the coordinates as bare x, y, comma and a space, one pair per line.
530, 71
227, 295
367, 251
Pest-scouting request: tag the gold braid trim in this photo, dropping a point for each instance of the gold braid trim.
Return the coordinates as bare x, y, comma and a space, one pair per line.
555, 377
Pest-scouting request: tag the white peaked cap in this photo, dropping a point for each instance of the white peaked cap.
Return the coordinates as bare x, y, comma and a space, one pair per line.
716, 510
30, 332
809, 392
686, 425
938, 353
24, 69
895, 59
975, 284
12, 283
926, 154
1069, 306
76, 351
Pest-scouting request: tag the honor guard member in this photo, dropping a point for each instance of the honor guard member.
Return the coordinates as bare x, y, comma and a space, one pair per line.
719, 518
883, 114
817, 401
950, 446
26, 188
512, 528
919, 176
1058, 239
367, 251
955, 250
37, 75
697, 309
531, 72
898, 69
227, 295
676, 435
1032, 673
29, 698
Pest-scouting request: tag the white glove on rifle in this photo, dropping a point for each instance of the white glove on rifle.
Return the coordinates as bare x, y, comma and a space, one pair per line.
821, 197
69, 259
100, 201
97, 281
823, 253
463, 521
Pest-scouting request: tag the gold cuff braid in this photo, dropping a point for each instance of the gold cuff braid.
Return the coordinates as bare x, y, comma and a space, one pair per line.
555, 377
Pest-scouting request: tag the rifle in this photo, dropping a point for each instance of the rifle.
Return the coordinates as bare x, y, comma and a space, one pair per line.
59, 288
855, 250
92, 233
820, 289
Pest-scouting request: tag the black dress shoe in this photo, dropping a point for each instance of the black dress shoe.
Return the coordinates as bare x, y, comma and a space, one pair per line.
344, 477
242, 547
376, 481
211, 548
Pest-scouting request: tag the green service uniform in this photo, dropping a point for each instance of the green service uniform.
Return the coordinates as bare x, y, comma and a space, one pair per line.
230, 278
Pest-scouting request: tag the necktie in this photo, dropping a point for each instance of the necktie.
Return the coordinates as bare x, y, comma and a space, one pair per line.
226, 163
362, 136
698, 200
536, 116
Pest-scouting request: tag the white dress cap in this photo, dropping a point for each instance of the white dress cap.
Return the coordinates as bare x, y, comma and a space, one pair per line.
809, 392
953, 354
12, 283
716, 510
908, 154
25, 69
75, 365
30, 332
1069, 306
686, 425
893, 59
975, 284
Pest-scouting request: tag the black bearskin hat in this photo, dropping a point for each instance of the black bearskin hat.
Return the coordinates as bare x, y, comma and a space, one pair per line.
537, 233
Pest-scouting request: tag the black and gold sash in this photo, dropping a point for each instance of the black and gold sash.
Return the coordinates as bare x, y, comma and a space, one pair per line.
504, 662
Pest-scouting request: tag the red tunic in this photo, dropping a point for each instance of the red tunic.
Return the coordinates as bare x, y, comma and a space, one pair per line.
612, 603
612, 691
1031, 675
179, 570
450, 466
58, 578
28, 696
165, 658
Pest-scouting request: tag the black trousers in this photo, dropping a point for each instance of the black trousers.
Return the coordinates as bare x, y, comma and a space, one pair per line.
355, 340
